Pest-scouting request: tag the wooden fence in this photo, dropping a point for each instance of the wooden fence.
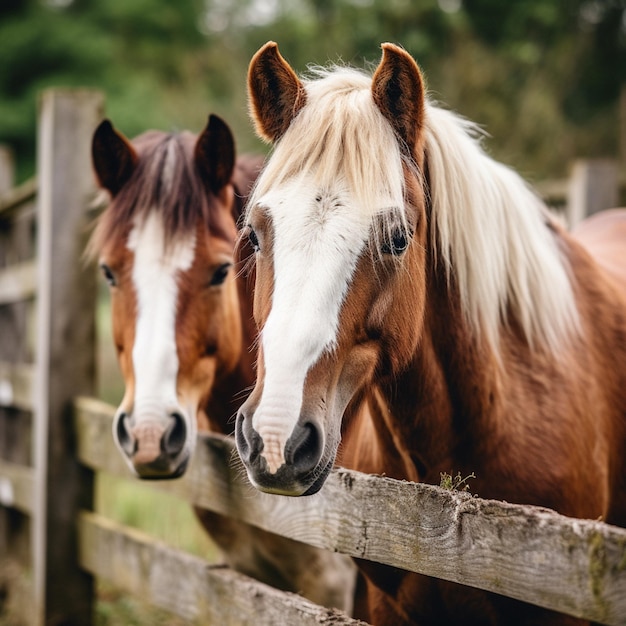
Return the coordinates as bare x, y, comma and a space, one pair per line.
47, 346
54, 436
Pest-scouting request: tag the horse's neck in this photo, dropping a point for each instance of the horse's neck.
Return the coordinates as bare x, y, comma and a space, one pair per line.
456, 408
438, 401
370, 442
455, 402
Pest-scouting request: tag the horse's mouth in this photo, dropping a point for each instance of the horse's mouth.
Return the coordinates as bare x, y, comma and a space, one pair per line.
157, 473
283, 483
320, 480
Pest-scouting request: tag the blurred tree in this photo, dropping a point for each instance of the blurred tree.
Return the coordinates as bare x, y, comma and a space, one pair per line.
141, 53
542, 76
565, 64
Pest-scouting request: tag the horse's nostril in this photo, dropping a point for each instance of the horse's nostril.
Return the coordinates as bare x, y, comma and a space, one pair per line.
175, 436
125, 439
249, 443
304, 447
242, 442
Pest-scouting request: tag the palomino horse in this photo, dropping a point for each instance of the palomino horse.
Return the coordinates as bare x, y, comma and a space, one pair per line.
183, 328
400, 267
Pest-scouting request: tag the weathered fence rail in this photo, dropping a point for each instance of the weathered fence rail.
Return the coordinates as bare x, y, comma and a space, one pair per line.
529, 553
187, 585
52, 444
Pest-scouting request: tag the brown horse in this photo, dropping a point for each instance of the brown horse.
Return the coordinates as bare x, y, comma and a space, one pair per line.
183, 328
400, 268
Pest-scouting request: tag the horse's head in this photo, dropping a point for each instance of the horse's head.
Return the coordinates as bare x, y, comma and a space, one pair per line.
336, 217
165, 245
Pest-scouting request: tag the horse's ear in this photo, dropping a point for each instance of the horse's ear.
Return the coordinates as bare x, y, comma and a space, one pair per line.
113, 158
275, 93
398, 91
215, 154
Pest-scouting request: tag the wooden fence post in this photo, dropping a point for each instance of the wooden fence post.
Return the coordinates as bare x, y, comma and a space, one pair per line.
7, 169
593, 187
65, 350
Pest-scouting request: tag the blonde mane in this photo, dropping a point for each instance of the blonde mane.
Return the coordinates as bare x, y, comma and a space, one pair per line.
490, 230
494, 235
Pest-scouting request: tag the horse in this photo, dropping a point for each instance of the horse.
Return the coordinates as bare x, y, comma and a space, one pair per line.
182, 325
402, 269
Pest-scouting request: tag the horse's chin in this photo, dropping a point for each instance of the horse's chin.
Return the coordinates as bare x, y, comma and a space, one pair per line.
319, 482
276, 484
161, 470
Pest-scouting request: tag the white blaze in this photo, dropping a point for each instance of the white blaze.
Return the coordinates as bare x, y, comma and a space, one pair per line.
317, 241
155, 360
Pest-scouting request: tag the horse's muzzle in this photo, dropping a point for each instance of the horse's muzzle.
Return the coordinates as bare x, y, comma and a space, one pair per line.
302, 472
153, 446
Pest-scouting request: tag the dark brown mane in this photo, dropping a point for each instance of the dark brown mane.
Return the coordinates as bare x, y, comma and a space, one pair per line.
166, 180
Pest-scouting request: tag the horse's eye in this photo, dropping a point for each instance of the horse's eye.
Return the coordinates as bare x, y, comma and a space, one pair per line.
398, 243
253, 239
108, 274
220, 274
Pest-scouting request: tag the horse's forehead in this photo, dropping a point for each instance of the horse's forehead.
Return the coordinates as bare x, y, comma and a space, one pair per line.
148, 240
314, 210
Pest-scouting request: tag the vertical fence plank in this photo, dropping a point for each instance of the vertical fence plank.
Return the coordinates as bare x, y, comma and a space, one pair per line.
7, 169
593, 187
65, 350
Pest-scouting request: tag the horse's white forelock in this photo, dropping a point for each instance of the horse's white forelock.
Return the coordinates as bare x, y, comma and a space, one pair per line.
489, 227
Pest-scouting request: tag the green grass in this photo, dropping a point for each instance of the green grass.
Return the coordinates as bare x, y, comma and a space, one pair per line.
160, 515
455, 483
114, 608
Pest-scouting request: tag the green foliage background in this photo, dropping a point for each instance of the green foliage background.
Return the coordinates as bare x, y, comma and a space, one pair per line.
542, 76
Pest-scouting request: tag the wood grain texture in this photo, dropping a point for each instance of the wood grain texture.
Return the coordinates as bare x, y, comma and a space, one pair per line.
188, 586
529, 553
